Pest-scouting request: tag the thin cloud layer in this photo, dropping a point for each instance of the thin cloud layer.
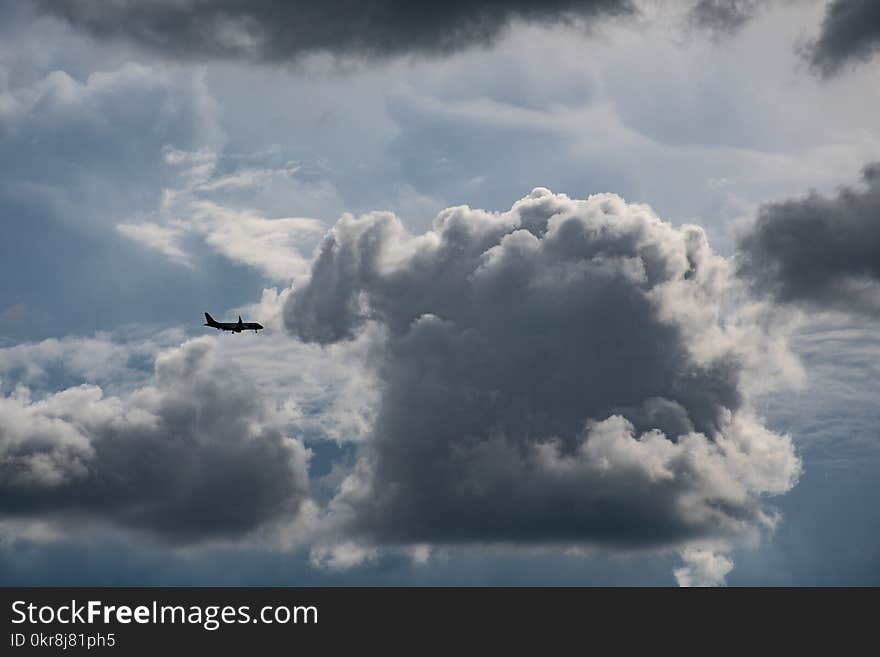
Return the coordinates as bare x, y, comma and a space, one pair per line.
273, 30
195, 454
197, 208
850, 34
819, 251
558, 373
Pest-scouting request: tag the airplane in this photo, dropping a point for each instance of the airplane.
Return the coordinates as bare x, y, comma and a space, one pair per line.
235, 327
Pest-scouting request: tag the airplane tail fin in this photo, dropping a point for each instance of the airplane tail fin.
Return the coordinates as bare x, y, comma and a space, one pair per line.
209, 319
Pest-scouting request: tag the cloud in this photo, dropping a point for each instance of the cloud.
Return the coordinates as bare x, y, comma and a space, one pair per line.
105, 359
164, 239
850, 34
835, 415
324, 393
562, 373
80, 151
96, 142
342, 556
207, 205
194, 454
723, 16
271, 246
273, 30
704, 566
819, 251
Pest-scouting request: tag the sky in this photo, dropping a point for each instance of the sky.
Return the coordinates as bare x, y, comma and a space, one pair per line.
582, 292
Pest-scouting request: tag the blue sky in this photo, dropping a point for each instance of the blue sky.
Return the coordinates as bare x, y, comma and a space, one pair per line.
145, 182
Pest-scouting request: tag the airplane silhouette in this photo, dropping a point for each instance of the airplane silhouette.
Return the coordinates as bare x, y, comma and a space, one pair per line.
235, 327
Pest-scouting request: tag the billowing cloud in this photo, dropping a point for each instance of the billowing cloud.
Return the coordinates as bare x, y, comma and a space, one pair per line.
567, 372
704, 566
850, 34
276, 30
818, 250
194, 454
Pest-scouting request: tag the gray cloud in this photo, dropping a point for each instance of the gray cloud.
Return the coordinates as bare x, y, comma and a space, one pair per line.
194, 454
552, 374
818, 250
850, 34
723, 16
274, 30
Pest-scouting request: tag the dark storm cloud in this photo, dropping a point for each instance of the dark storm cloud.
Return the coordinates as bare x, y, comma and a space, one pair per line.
275, 30
723, 16
818, 250
555, 373
194, 455
850, 34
